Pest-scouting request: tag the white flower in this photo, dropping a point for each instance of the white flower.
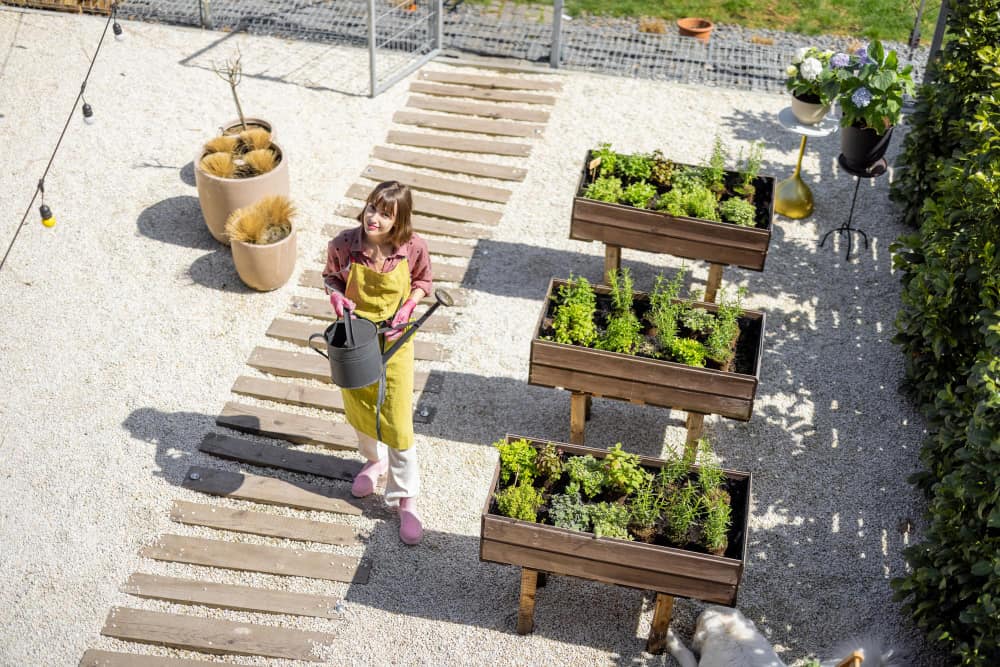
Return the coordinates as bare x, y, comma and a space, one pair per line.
811, 68
800, 54
791, 70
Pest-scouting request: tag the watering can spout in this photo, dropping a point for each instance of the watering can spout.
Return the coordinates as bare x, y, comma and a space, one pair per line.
442, 298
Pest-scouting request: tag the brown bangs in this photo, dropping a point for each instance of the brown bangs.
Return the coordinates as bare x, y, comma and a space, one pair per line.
388, 198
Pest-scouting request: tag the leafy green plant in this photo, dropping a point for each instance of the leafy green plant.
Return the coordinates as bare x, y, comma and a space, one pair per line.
662, 171
738, 211
871, 88
573, 319
675, 470
664, 310
714, 172
645, 508
623, 333
607, 160
549, 464
716, 523
622, 471
605, 188
635, 167
710, 475
639, 194
517, 460
586, 475
680, 512
698, 320
688, 351
719, 344
695, 201
610, 520
569, 511
521, 501
807, 75
749, 169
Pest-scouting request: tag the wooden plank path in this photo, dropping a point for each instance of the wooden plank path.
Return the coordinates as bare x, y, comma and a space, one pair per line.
94, 658
478, 93
458, 144
271, 456
270, 491
423, 182
258, 523
450, 164
212, 635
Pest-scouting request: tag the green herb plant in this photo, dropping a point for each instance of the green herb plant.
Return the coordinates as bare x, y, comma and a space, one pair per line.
738, 211
645, 508
517, 460
607, 160
586, 476
688, 351
664, 308
520, 501
635, 167
569, 511
639, 194
749, 169
726, 329
573, 319
622, 471
549, 465
714, 173
605, 188
610, 520
624, 331
662, 171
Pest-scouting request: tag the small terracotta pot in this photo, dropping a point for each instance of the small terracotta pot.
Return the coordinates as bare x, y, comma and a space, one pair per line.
235, 127
694, 27
265, 267
809, 111
221, 196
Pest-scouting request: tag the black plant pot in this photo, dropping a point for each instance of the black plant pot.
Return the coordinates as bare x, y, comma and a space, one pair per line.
862, 147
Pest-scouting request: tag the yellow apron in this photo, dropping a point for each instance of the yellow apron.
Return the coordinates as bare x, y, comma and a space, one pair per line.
378, 297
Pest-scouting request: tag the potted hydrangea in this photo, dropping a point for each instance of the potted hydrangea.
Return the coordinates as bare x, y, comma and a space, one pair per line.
807, 79
871, 88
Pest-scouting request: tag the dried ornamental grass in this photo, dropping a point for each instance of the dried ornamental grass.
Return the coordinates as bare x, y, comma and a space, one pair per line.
652, 24
255, 139
219, 164
267, 221
260, 161
224, 144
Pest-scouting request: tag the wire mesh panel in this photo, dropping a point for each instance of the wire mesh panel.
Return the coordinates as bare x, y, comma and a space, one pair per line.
403, 35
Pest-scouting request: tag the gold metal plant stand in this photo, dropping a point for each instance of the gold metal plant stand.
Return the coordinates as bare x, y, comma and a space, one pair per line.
792, 197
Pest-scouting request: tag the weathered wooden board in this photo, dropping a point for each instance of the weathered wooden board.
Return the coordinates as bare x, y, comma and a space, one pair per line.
228, 596
506, 82
212, 635
438, 207
451, 164
503, 128
270, 491
287, 426
271, 456
435, 246
473, 92
259, 523
321, 310
95, 658
298, 332
458, 144
494, 111
286, 363
290, 393
425, 225
257, 558
447, 186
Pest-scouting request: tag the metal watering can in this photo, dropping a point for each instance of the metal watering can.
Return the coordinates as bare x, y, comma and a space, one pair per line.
352, 347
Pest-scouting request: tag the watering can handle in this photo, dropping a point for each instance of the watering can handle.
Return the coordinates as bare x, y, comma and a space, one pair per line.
316, 348
348, 328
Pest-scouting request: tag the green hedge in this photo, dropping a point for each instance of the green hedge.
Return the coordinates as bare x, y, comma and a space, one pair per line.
949, 330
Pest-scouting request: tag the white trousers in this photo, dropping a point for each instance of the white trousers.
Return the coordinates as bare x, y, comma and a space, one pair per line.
403, 477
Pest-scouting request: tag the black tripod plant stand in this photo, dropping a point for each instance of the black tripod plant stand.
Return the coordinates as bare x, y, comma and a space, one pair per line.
872, 171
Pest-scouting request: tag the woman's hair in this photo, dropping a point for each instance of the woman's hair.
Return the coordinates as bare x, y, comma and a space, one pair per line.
392, 198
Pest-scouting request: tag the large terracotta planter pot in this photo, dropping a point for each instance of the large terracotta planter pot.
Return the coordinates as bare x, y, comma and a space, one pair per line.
664, 569
862, 147
221, 196
807, 110
265, 267
235, 127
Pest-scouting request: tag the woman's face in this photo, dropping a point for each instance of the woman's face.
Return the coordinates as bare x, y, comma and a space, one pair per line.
377, 224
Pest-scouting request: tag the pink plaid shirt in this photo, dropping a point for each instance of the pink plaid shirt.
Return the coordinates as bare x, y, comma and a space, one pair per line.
347, 248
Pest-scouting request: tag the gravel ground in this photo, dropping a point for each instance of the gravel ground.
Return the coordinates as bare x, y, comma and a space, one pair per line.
124, 327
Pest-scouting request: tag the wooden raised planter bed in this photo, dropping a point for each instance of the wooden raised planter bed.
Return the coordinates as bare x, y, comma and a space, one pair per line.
623, 226
650, 381
667, 570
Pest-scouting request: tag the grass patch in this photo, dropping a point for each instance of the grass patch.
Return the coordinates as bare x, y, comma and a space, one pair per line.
864, 19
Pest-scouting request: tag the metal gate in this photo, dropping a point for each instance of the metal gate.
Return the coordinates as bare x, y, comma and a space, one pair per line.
402, 36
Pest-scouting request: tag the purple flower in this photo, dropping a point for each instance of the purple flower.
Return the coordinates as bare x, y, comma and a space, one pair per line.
862, 97
862, 55
840, 60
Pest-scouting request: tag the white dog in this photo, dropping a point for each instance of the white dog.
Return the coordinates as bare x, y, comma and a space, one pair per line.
726, 638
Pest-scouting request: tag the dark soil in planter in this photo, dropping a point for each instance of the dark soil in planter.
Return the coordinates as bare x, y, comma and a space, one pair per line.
746, 344
763, 192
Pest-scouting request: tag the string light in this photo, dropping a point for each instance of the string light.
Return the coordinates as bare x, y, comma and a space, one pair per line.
44, 212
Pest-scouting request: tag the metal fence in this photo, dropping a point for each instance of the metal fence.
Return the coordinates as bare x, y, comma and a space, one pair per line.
402, 36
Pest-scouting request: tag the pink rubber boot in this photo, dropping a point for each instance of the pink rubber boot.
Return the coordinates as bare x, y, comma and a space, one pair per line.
411, 531
366, 480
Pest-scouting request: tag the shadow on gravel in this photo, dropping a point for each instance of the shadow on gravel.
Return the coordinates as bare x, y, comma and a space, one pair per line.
216, 271
187, 175
177, 220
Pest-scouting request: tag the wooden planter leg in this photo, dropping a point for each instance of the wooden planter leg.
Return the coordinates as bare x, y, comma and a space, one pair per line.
590, 402
695, 426
577, 417
714, 281
526, 609
657, 641
612, 261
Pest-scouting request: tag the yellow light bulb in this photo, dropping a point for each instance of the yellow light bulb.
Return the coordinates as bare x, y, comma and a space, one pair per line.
48, 219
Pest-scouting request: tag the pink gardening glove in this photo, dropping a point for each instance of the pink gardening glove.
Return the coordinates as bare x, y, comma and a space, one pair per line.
402, 317
340, 303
